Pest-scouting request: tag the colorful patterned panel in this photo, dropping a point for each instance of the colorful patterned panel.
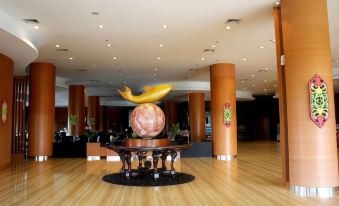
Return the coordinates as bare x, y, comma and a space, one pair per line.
4, 111
227, 115
318, 101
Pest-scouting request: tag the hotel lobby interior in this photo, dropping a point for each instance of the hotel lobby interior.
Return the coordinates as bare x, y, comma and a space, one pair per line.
169, 102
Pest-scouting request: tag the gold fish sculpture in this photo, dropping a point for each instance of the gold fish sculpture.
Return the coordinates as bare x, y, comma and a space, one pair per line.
151, 94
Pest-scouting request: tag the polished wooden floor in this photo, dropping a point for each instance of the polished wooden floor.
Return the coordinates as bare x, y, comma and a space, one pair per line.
253, 179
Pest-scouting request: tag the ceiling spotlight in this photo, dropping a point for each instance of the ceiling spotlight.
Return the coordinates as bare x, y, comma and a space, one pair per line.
156, 69
252, 75
228, 27
264, 89
266, 68
115, 58
202, 59
158, 58
261, 47
101, 26
277, 3
57, 46
70, 58
273, 41
36, 27
165, 26
161, 45
265, 81
253, 85
109, 44
213, 46
155, 74
244, 59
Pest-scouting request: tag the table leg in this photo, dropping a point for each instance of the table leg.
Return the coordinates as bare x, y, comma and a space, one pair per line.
128, 157
163, 158
173, 156
140, 158
155, 156
122, 159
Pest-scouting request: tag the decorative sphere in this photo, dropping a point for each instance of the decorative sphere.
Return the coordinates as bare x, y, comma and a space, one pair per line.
147, 120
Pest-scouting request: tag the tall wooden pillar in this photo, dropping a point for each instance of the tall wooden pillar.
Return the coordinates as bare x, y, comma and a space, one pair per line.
76, 110
223, 102
313, 161
282, 95
196, 110
6, 94
93, 105
102, 119
170, 114
41, 110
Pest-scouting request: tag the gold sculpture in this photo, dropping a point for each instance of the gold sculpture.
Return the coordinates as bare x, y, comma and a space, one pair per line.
151, 94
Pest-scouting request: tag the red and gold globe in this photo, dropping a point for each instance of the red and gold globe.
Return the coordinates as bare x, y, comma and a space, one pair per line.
147, 120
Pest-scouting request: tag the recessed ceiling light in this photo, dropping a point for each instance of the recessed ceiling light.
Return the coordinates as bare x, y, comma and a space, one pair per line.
161, 45
244, 59
101, 26
213, 46
253, 85
109, 44
228, 27
158, 58
165, 26
265, 81
202, 59
277, 3
70, 58
252, 75
156, 69
36, 27
261, 47
266, 68
275, 85
155, 74
115, 58
57, 46
264, 89
273, 41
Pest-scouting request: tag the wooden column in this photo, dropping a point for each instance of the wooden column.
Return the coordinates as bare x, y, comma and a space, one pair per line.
170, 114
102, 119
41, 109
93, 105
313, 161
282, 95
6, 92
76, 110
196, 110
223, 91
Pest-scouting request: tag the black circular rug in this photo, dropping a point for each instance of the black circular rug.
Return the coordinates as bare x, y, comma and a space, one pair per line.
148, 180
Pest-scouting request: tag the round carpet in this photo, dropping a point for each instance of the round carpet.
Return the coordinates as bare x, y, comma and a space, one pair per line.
148, 180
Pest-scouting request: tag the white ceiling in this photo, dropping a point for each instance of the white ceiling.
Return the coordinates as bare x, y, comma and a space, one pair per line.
134, 28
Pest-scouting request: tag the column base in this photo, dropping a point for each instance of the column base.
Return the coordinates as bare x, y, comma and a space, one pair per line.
93, 158
40, 158
226, 157
323, 192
